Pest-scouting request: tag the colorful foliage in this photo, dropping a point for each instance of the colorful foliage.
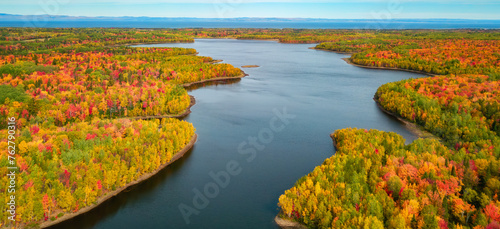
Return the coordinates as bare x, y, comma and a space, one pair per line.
72, 92
374, 180
120, 83
66, 168
463, 110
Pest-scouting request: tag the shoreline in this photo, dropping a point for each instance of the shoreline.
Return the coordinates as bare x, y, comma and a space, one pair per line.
234, 38
186, 85
326, 50
186, 112
259, 39
109, 195
347, 60
152, 43
251, 66
334, 141
412, 127
288, 224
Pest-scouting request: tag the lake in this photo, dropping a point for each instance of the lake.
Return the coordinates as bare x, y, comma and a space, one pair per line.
267, 130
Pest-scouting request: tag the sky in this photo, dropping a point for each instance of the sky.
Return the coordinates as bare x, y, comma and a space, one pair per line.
329, 9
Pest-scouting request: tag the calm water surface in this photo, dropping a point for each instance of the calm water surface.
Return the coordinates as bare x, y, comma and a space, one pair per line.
318, 88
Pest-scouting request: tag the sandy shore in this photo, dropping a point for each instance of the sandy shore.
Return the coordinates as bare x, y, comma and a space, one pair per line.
186, 85
412, 127
250, 66
288, 224
117, 191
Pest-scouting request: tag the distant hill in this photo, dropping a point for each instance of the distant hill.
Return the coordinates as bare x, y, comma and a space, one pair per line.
17, 17
65, 21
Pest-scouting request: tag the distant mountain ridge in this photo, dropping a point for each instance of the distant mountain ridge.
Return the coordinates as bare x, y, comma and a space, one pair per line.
17, 17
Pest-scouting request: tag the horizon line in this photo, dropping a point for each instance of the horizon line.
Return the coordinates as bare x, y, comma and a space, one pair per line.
288, 18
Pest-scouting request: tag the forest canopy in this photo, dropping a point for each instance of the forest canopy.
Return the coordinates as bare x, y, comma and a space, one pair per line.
77, 93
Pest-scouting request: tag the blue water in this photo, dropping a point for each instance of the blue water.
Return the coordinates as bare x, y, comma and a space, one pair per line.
335, 24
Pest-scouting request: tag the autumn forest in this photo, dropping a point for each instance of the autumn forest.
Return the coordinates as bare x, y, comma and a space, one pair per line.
94, 114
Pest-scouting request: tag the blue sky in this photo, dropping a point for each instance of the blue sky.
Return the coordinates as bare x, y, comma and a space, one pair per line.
333, 9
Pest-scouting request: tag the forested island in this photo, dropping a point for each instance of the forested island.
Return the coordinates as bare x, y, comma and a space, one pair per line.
78, 96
